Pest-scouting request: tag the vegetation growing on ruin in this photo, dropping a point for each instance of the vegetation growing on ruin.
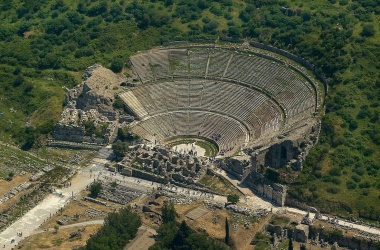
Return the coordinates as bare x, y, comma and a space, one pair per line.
47, 44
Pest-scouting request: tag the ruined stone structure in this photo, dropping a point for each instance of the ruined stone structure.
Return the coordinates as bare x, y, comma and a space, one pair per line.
288, 149
91, 101
301, 233
160, 165
272, 191
256, 103
72, 126
238, 166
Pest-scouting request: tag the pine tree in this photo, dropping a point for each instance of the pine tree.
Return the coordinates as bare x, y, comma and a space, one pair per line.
168, 212
290, 247
227, 239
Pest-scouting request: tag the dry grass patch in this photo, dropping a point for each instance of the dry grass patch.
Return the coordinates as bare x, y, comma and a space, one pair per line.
60, 240
5, 186
77, 209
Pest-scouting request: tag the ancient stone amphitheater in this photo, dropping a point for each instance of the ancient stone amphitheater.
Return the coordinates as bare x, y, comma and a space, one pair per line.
232, 97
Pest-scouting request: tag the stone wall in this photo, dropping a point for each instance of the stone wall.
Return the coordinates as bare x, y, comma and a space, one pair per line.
343, 240
68, 132
91, 101
263, 187
237, 166
148, 176
301, 233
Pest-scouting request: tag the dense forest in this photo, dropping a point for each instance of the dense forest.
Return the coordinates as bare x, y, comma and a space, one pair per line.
47, 44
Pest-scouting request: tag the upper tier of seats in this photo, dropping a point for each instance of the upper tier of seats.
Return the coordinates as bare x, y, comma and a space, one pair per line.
278, 80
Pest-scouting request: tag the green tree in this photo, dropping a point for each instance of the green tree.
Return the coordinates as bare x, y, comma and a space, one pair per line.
168, 212
118, 229
183, 233
124, 135
234, 198
368, 30
120, 148
117, 64
10, 176
227, 238
30, 137
302, 247
166, 232
95, 189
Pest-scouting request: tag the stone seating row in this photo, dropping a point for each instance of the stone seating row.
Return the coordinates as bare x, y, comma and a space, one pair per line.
231, 134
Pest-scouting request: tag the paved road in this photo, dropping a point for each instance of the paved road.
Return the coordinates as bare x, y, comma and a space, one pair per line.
341, 222
34, 218
49, 206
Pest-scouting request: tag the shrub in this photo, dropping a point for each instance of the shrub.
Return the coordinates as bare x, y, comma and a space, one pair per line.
368, 30
95, 189
272, 174
117, 64
353, 125
120, 148
365, 192
333, 190
336, 180
335, 171
365, 184
234, 198
350, 184
360, 171
356, 178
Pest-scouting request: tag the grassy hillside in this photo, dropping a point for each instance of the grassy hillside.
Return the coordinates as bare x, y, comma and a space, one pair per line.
47, 44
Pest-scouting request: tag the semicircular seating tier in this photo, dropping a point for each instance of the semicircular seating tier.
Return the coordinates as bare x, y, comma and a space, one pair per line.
205, 91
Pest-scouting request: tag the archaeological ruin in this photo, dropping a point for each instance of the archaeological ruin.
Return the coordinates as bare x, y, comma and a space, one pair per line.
258, 106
